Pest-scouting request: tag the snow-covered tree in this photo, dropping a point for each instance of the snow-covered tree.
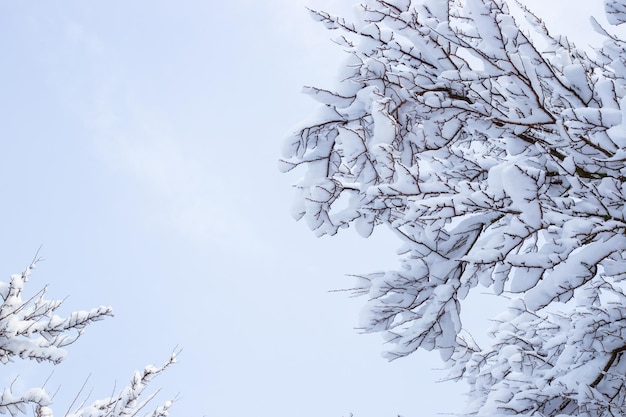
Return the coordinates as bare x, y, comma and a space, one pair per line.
496, 152
31, 329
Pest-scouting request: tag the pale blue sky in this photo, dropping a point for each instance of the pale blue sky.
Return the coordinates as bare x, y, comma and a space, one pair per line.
140, 142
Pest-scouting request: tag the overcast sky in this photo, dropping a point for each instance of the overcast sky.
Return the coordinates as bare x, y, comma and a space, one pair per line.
139, 149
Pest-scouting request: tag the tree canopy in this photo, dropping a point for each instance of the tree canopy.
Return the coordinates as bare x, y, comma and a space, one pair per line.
495, 151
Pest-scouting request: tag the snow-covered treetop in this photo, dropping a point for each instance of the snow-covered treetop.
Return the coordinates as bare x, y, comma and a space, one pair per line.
495, 151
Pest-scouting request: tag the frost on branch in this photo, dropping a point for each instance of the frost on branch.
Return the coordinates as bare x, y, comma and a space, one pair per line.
496, 152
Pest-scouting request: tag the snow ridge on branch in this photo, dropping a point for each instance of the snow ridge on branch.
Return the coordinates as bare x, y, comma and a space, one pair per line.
615, 11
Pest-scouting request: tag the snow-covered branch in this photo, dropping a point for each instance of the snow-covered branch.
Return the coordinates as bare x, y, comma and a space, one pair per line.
128, 401
30, 329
